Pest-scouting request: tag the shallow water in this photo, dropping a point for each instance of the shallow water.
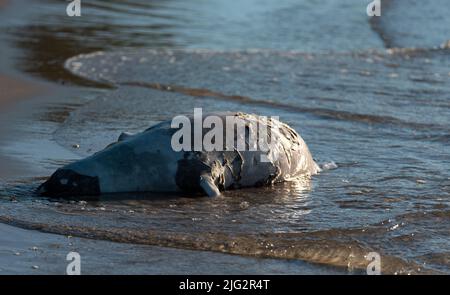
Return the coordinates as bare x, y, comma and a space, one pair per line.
381, 115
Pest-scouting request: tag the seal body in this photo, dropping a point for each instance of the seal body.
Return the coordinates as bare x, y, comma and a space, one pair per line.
148, 161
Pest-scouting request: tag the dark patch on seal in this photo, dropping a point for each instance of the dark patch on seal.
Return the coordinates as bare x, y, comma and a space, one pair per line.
270, 180
233, 161
66, 182
189, 170
236, 165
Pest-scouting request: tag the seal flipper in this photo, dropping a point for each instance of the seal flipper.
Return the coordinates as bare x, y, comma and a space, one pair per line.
124, 135
208, 186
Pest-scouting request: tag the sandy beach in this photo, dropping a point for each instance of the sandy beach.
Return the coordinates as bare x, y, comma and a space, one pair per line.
32, 252
14, 89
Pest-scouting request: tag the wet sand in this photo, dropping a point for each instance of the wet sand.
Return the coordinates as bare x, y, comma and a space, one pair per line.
32, 252
14, 89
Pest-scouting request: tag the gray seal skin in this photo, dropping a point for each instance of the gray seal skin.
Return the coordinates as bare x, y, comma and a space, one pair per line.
146, 162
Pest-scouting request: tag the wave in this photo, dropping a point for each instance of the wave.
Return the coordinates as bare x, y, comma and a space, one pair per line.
319, 112
390, 96
309, 247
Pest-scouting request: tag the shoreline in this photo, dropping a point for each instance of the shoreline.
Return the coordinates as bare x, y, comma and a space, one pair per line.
16, 89
32, 252
16, 92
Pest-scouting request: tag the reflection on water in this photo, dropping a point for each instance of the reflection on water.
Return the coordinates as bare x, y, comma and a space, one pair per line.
383, 117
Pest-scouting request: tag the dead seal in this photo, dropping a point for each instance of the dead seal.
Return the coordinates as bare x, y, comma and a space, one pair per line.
150, 162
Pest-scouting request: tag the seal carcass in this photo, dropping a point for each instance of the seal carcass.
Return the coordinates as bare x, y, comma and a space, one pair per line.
148, 161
